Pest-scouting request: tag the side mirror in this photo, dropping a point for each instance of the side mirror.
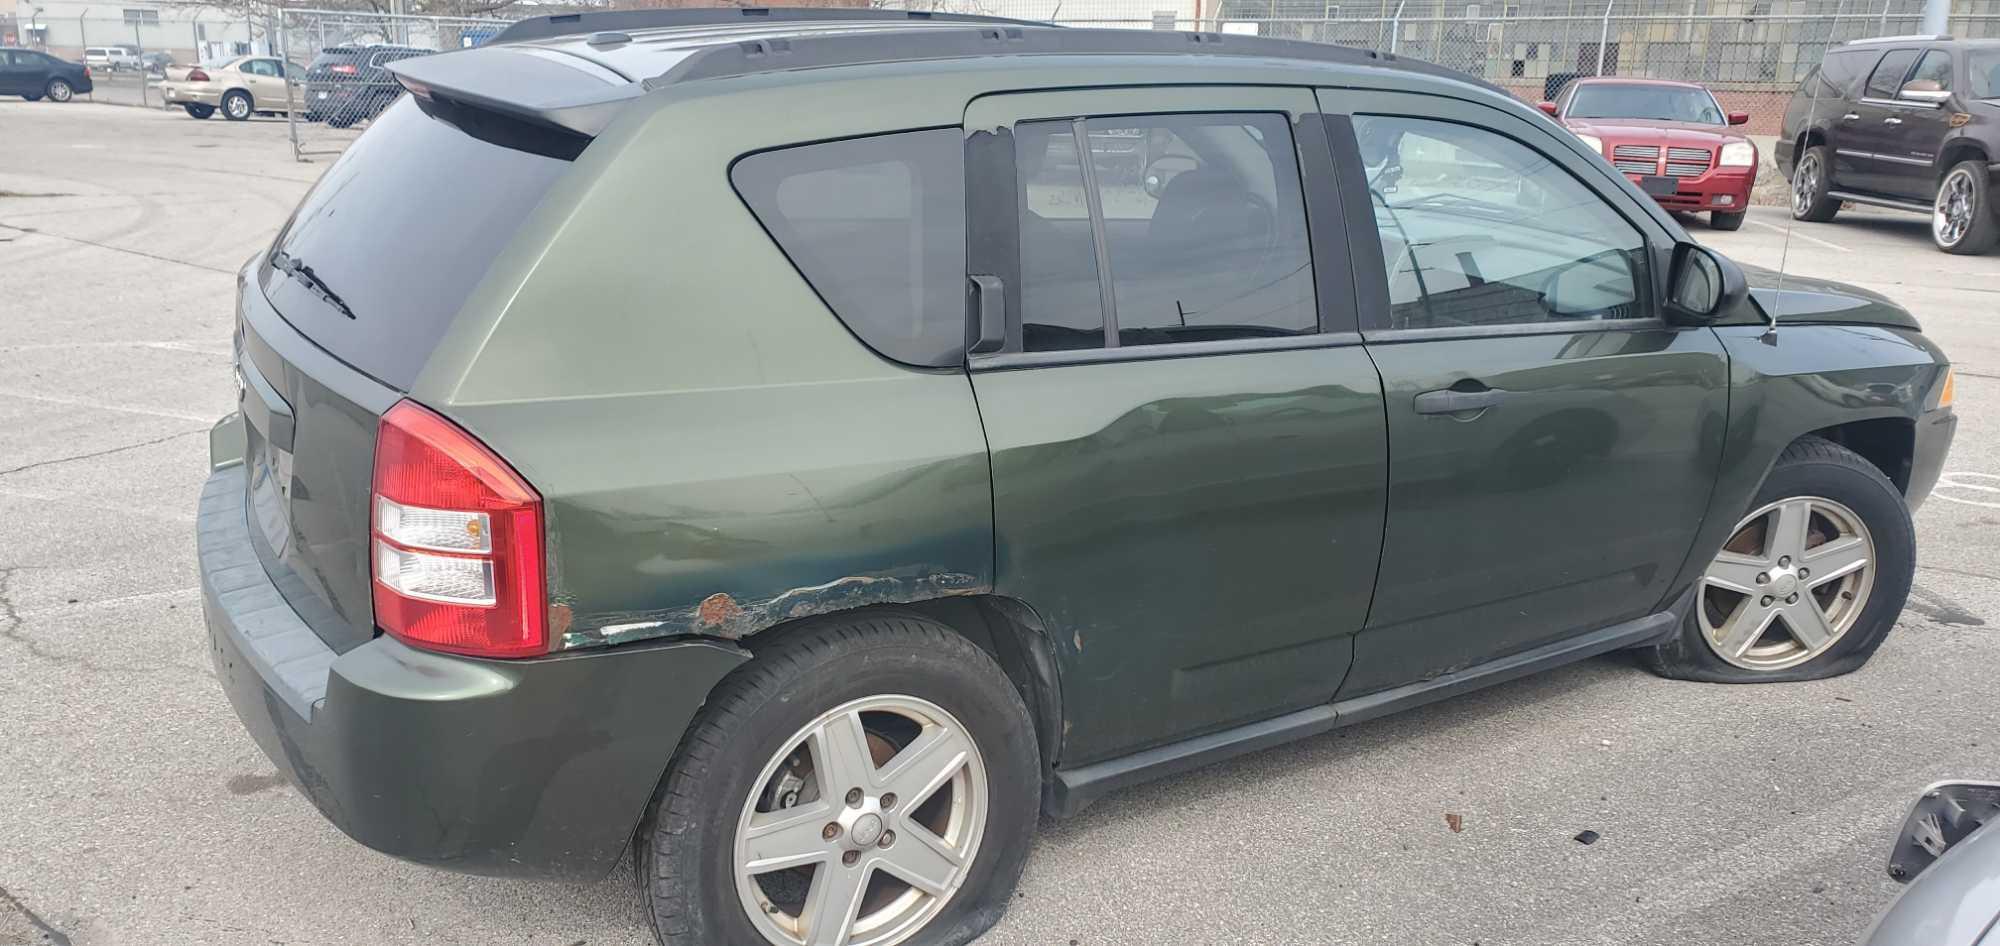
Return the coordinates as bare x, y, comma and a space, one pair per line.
1548, 108
1703, 286
1946, 813
1739, 118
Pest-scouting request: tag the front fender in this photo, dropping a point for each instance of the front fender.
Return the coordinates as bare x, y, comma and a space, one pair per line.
1802, 379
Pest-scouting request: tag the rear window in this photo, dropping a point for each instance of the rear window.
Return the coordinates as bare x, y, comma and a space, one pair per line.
1841, 70
877, 226
402, 228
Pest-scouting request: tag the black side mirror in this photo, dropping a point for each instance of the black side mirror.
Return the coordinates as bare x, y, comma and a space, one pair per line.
1703, 286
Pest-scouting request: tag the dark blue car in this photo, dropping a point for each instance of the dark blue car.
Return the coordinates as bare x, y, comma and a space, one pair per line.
32, 75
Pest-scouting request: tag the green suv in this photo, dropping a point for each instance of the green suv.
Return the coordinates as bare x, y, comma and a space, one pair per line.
796, 449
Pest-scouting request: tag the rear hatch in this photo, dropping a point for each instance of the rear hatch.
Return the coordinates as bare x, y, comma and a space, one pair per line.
342, 315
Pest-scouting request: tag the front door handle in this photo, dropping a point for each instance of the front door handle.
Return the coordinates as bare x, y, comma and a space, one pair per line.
1454, 402
1850, 116
1892, 120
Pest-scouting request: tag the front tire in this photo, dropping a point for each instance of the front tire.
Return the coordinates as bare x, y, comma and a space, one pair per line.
236, 105
1812, 179
869, 780
31, 96
1726, 221
1810, 583
1962, 218
198, 110
59, 90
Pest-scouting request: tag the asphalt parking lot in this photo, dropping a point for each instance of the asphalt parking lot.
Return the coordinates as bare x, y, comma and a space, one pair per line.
134, 809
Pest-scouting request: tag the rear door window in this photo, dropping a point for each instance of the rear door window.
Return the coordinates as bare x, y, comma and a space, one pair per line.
1888, 75
402, 228
877, 227
1933, 73
1199, 219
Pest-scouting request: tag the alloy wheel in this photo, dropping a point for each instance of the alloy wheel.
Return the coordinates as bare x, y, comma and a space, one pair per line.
1805, 184
59, 91
1952, 214
239, 107
863, 826
1790, 582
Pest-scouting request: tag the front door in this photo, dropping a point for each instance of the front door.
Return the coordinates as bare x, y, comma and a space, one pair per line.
1872, 143
267, 84
1552, 442
1187, 437
16, 71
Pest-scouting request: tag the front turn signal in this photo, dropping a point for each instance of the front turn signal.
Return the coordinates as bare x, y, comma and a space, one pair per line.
1946, 389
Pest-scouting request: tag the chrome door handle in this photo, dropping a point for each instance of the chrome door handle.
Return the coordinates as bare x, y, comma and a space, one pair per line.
1850, 116
1892, 120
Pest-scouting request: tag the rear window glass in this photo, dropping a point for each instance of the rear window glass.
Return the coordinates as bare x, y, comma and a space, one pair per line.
1841, 70
877, 227
402, 228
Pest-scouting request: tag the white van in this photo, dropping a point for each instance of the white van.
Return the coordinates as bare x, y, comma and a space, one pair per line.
114, 58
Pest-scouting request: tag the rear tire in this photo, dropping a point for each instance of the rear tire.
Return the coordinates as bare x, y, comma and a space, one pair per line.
31, 96
1811, 181
236, 105
59, 90
197, 110
1725, 221
1962, 220
1850, 506
756, 750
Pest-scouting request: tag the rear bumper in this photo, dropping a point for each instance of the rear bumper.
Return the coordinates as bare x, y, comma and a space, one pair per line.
174, 94
529, 768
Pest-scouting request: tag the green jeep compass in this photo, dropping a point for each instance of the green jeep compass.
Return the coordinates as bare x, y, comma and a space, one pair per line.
796, 449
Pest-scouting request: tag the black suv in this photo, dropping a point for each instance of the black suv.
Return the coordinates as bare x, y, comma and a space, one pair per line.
348, 84
1907, 122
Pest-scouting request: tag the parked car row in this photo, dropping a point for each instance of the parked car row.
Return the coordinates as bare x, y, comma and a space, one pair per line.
344, 85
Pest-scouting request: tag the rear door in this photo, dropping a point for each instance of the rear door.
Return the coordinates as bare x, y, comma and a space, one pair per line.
1909, 151
1187, 440
1552, 441
266, 82
1871, 142
16, 71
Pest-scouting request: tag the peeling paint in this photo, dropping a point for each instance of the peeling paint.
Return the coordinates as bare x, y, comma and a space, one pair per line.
731, 617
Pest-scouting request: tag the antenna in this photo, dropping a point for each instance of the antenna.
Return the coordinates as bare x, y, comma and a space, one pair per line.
1791, 186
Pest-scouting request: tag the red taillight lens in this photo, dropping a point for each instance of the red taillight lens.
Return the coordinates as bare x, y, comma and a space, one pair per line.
457, 542
196, 75
345, 68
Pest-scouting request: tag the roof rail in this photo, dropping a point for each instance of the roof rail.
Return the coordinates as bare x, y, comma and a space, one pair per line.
1913, 38
843, 49
567, 24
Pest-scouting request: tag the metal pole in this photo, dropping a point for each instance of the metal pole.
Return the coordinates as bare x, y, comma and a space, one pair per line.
140, 44
1396, 26
1604, 35
291, 103
194, 30
1883, 29
1937, 17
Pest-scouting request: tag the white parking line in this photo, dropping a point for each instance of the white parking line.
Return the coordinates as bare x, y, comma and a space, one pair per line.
1794, 232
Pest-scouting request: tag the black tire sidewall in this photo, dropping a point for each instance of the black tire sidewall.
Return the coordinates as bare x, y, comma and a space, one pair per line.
1872, 497
1718, 220
979, 697
1818, 210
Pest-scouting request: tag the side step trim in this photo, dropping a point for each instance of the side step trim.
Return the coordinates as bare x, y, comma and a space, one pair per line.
1070, 791
1893, 203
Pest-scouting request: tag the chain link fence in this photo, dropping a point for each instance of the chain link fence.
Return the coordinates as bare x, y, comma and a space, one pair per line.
341, 59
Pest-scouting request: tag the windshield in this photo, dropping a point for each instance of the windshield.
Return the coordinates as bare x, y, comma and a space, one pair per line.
1657, 102
1982, 67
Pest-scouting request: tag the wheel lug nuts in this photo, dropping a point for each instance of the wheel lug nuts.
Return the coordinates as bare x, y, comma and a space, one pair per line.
854, 798
831, 831
888, 801
1794, 599
1764, 601
1805, 573
850, 857
1784, 560
888, 838
1763, 578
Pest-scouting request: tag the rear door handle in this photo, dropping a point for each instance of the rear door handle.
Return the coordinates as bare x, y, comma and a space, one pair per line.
1454, 402
1850, 116
1892, 120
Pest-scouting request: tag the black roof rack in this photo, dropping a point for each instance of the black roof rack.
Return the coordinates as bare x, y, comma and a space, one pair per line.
841, 49
567, 24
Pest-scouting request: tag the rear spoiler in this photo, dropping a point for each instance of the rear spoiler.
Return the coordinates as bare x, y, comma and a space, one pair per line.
560, 94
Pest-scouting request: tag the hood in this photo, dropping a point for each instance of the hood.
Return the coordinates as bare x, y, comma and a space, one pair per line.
1651, 130
1806, 299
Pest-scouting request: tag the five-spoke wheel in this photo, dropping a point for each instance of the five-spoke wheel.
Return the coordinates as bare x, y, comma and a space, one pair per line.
1788, 584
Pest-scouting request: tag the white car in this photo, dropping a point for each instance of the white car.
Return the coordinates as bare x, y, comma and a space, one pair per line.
115, 58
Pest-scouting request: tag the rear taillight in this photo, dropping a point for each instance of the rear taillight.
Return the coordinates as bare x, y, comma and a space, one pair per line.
345, 68
196, 75
457, 542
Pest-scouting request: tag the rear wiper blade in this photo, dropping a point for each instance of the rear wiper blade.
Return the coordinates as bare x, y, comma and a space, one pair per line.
284, 262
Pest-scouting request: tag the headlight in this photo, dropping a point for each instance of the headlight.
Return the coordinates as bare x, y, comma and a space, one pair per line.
1739, 154
1592, 142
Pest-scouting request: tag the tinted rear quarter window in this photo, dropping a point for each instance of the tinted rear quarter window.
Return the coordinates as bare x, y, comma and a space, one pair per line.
402, 228
877, 227
1843, 70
